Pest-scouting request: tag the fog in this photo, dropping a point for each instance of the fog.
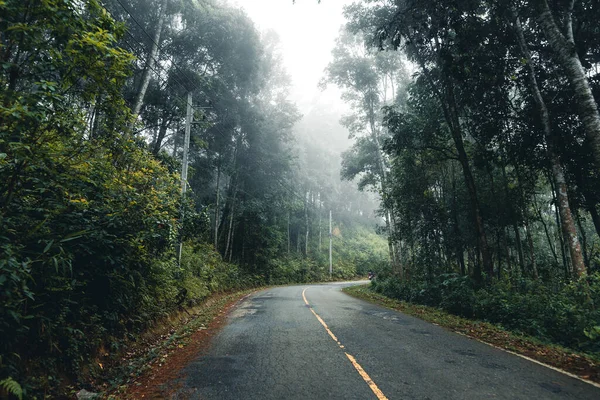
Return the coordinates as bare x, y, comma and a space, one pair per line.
307, 31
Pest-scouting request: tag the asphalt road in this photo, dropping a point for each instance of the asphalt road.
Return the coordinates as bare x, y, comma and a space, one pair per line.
276, 346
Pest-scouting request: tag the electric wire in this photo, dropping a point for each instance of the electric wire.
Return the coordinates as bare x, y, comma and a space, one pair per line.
192, 85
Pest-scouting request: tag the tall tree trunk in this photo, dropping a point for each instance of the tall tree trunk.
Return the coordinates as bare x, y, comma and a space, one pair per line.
320, 221
534, 268
551, 243
150, 60
176, 136
470, 181
161, 134
288, 234
382, 166
306, 223
229, 246
566, 218
216, 229
460, 253
559, 232
519, 246
391, 249
449, 107
586, 259
514, 222
566, 52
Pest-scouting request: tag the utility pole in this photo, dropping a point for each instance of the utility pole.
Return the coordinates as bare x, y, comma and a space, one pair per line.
330, 242
184, 166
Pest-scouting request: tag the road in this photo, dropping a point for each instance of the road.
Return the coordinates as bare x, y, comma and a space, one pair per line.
315, 342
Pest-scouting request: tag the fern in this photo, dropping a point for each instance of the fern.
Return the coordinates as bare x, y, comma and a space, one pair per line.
12, 387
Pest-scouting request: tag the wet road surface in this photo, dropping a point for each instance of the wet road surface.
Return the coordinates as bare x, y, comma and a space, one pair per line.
315, 342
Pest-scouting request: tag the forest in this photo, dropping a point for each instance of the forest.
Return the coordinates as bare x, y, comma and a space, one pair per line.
150, 156
97, 240
478, 125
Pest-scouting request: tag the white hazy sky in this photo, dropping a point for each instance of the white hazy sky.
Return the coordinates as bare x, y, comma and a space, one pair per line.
308, 31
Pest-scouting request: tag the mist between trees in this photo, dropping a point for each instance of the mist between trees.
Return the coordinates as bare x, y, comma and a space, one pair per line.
477, 122
93, 107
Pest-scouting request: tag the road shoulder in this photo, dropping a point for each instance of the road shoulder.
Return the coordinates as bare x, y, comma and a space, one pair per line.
578, 365
152, 370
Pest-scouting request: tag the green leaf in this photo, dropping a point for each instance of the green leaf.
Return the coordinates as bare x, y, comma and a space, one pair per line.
12, 387
74, 235
48, 246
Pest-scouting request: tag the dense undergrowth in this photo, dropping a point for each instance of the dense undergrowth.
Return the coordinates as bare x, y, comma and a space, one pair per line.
565, 314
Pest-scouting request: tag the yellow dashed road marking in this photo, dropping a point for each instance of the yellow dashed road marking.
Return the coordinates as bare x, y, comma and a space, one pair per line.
357, 366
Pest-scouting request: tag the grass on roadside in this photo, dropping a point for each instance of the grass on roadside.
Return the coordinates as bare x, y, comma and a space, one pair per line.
583, 365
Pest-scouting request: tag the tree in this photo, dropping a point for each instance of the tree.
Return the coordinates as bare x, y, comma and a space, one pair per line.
370, 80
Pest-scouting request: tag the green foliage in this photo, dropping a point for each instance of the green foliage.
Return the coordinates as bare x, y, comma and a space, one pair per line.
203, 272
12, 387
567, 315
88, 217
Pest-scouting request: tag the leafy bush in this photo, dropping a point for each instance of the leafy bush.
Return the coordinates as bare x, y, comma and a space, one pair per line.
568, 316
87, 215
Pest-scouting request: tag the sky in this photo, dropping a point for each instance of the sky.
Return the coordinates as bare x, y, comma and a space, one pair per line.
308, 31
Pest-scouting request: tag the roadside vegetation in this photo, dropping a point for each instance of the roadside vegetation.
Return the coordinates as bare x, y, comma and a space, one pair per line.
478, 123
93, 108
582, 364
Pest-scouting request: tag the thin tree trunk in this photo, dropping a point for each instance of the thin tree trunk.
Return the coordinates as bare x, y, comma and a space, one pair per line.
519, 247
150, 60
532, 250
175, 137
91, 120
546, 231
382, 165
448, 105
320, 220
306, 223
216, 242
559, 232
586, 259
567, 223
595, 217
161, 135
390, 241
460, 253
229, 246
514, 221
470, 181
566, 52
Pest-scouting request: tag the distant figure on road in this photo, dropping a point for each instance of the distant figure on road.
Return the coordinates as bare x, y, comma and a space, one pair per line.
371, 275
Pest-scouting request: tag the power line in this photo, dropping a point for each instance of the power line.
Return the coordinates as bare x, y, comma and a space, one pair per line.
192, 85
144, 59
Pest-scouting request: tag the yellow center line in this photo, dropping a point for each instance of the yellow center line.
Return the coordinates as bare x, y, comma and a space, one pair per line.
357, 366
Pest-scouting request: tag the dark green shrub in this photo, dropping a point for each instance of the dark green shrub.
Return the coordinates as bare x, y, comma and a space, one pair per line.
568, 316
